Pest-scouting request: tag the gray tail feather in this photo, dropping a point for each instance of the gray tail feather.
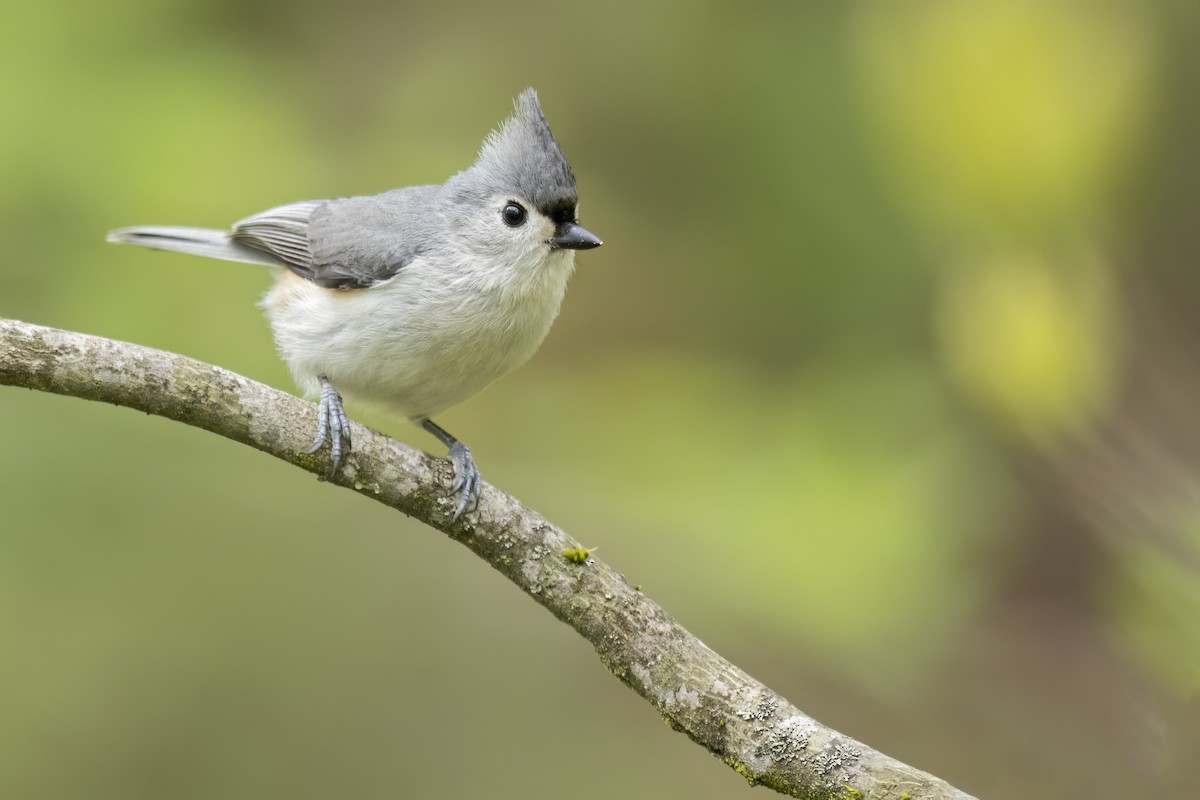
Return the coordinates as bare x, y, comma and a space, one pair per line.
197, 241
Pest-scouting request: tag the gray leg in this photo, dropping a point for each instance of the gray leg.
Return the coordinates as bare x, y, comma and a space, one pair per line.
332, 425
466, 474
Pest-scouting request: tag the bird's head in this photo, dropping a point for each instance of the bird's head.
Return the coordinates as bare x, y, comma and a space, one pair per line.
519, 199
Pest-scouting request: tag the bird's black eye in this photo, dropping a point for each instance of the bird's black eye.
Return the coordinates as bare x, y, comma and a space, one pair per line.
513, 214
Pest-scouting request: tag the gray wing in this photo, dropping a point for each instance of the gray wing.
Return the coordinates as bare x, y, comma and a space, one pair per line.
350, 243
281, 232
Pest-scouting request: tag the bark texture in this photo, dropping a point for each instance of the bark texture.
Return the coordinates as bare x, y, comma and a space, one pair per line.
739, 720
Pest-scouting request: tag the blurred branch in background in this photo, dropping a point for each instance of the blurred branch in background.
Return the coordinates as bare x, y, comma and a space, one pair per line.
1013, 129
745, 724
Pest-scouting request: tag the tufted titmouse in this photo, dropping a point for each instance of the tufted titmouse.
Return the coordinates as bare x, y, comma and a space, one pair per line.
415, 299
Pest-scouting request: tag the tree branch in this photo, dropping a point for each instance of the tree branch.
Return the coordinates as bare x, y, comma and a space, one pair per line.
742, 722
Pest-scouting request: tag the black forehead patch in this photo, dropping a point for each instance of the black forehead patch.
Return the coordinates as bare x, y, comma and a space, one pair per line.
560, 210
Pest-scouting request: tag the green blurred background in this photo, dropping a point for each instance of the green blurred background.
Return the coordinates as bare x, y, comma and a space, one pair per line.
884, 383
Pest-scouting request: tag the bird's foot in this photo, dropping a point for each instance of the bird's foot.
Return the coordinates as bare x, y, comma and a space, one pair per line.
466, 479
466, 474
332, 426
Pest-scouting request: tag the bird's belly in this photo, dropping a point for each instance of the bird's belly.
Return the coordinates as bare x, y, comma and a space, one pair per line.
401, 353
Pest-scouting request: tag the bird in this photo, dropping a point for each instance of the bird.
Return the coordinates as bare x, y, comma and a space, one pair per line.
413, 300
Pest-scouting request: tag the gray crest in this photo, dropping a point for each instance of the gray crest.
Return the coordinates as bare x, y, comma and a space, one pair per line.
523, 157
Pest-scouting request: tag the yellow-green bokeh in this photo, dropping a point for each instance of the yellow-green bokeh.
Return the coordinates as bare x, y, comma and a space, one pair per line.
855, 388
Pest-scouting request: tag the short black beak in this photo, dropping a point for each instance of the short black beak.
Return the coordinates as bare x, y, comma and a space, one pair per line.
569, 236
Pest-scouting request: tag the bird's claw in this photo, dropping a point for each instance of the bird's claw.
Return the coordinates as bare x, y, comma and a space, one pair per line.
332, 426
466, 479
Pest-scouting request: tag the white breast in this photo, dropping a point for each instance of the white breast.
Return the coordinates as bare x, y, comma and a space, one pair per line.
425, 340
